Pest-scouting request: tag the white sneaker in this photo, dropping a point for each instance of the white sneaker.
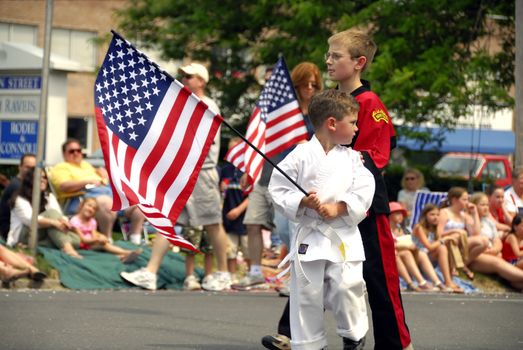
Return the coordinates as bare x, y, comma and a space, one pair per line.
135, 238
207, 279
251, 280
141, 278
219, 281
191, 283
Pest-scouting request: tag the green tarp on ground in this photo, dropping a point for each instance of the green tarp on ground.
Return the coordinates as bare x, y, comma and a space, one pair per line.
101, 270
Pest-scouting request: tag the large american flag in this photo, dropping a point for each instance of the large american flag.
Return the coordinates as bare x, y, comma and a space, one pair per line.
155, 135
275, 124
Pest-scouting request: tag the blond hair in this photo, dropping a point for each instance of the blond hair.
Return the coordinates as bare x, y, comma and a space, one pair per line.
358, 43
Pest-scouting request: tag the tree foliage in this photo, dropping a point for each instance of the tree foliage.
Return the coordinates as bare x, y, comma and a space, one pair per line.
435, 58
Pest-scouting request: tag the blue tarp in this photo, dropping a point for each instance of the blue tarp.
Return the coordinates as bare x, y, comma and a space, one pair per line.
466, 140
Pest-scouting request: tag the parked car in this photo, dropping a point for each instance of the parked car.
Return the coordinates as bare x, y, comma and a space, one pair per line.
482, 167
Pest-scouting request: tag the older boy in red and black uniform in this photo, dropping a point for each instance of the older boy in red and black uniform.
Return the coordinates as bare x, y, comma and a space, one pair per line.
350, 52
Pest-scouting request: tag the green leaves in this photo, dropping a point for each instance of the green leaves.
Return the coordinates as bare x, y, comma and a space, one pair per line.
435, 57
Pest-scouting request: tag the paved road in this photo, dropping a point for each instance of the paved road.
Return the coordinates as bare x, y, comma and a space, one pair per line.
135, 319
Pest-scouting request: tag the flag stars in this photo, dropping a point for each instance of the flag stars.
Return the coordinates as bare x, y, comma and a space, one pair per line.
120, 54
119, 42
132, 75
141, 120
133, 136
143, 71
130, 124
121, 128
136, 98
139, 109
134, 86
131, 63
148, 106
156, 91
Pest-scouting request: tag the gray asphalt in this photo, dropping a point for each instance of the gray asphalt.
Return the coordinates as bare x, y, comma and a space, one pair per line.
136, 319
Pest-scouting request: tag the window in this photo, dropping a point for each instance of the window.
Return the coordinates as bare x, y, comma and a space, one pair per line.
19, 33
495, 169
75, 45
80, 128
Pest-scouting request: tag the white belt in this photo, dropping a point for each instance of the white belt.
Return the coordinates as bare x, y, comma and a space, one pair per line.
306, 227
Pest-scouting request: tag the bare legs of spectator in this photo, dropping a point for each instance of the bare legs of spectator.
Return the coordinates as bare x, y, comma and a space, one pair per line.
424, 263
403, 273
219, 242
486, 263
477, 245
16, 261
409, 262
442, 257
105, 216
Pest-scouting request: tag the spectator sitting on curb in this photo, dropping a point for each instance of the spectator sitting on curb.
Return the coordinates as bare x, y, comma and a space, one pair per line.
27, 161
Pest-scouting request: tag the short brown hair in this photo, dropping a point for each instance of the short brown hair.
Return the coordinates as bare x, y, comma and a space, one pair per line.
68, 142
357, 42
331, 103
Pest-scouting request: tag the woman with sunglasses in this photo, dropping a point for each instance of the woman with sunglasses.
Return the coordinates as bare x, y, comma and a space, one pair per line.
54, 229
411, 182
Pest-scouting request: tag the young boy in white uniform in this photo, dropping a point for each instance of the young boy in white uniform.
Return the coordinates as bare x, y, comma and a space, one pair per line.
326, 249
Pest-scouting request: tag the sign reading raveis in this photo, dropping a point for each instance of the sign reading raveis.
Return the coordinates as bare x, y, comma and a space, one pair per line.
379, 115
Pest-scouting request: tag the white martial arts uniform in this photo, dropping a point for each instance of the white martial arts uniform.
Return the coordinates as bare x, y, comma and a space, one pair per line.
326, 255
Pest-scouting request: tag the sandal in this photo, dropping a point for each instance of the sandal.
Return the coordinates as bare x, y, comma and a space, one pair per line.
468, 273
457, 289
37, 276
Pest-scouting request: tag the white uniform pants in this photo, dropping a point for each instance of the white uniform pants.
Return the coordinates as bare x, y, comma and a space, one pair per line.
338, 287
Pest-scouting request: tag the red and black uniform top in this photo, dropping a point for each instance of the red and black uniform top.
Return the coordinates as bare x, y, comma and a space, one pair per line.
375, 139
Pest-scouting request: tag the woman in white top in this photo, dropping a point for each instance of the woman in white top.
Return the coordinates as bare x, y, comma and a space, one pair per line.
411, 182
53, 227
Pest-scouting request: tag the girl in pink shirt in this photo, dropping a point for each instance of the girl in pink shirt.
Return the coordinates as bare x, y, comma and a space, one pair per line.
85, 226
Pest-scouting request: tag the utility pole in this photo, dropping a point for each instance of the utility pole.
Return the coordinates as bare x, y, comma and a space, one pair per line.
518, 77
33, 236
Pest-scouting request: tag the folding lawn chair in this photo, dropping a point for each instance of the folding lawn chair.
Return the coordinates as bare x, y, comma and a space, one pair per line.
423, 198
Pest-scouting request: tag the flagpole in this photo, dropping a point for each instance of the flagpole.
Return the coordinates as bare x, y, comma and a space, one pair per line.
42, 120
265, 157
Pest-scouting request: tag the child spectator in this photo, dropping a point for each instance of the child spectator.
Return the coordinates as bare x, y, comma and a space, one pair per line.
85, 226
325, 272
488, 224
460, 227
491, 260
425, 235
513, 244
498, 209
409, 253
234, 206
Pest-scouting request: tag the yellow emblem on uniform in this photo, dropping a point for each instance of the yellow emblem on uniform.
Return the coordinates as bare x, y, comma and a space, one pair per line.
379, 115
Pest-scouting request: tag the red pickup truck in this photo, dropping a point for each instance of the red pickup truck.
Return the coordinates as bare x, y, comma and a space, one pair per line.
479, 166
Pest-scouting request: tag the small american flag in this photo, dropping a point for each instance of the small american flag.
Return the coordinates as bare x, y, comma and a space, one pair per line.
154, 135
275, 124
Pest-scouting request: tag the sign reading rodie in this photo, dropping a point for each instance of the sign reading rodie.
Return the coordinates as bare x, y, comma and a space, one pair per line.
19, 112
